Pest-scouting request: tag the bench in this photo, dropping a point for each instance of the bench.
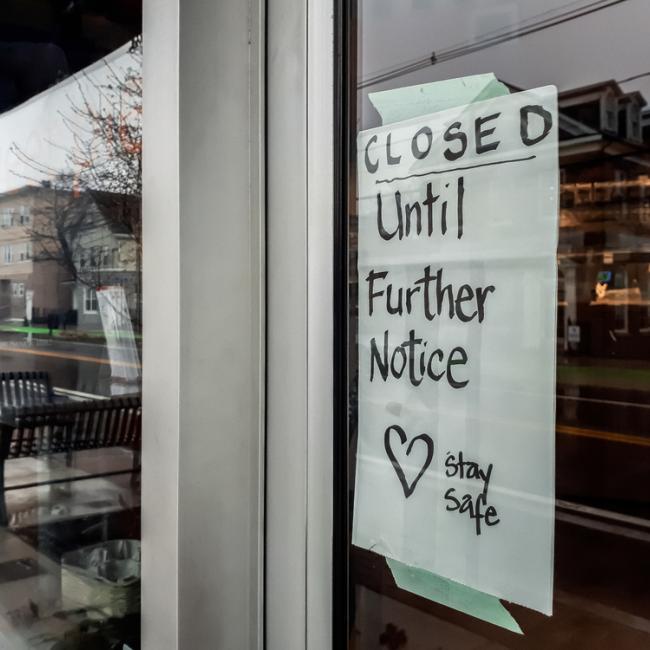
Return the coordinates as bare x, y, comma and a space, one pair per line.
50, 428
25, 389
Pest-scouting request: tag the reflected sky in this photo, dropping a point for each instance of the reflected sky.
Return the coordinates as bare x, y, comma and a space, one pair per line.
586, 50
37, 127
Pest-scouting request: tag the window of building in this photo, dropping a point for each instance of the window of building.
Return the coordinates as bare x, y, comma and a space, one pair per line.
635, 121
8, 253
25, 216
7, 215
90, 300
25, 251
610, 106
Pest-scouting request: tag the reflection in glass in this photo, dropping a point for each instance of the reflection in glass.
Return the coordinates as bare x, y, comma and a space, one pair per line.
596, 54
71, 332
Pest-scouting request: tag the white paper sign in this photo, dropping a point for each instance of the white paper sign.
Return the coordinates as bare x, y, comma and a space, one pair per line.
458, 227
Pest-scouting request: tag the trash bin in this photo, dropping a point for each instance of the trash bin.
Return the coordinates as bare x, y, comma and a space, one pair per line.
103, 578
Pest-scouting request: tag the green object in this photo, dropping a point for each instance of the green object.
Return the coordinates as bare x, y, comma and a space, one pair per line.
70, 333
395, 106
452, 594
22, 329
413, 101
604, 376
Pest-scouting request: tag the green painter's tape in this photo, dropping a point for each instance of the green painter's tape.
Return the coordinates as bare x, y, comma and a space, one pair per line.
412, 101
394, 106
452, 594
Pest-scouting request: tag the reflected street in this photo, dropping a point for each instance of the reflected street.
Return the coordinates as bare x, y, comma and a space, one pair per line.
72, 365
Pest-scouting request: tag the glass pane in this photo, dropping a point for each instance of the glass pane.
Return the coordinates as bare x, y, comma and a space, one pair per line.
499, 325
70, 324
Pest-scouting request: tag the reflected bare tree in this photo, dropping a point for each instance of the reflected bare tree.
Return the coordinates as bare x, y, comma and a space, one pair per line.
100, 184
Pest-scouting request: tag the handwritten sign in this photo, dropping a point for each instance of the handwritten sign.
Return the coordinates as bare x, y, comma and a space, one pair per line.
457, 301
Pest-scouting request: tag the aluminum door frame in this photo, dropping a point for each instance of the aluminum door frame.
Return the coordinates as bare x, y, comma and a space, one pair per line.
300, 230
218, 581
204, 316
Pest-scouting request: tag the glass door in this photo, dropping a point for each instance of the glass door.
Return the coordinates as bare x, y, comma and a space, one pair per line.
493, 489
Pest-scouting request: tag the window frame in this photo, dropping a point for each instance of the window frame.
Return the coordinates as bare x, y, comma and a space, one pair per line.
344, 101
90, 298
8, 254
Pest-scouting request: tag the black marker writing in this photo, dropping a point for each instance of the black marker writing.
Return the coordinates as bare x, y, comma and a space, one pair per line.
421, 218
428, 294
412, 360
476, 507
423, 438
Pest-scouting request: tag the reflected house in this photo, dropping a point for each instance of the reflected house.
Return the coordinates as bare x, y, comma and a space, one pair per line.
604, 246
107, 254
22, 269
63, 246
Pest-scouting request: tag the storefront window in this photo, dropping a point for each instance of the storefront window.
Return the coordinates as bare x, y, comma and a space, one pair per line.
70, 325
498, 325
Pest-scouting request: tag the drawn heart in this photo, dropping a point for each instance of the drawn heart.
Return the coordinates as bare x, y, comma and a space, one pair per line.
408, 489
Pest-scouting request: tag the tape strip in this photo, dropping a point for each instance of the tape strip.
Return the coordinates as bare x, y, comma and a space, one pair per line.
452, 594
413, 101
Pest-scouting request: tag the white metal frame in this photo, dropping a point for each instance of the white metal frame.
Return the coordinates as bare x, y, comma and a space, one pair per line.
232, 91
300, 102
203, 379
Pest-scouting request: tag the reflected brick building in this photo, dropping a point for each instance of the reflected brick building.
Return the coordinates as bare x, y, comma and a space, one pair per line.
604, 256
62, 247
22, 268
